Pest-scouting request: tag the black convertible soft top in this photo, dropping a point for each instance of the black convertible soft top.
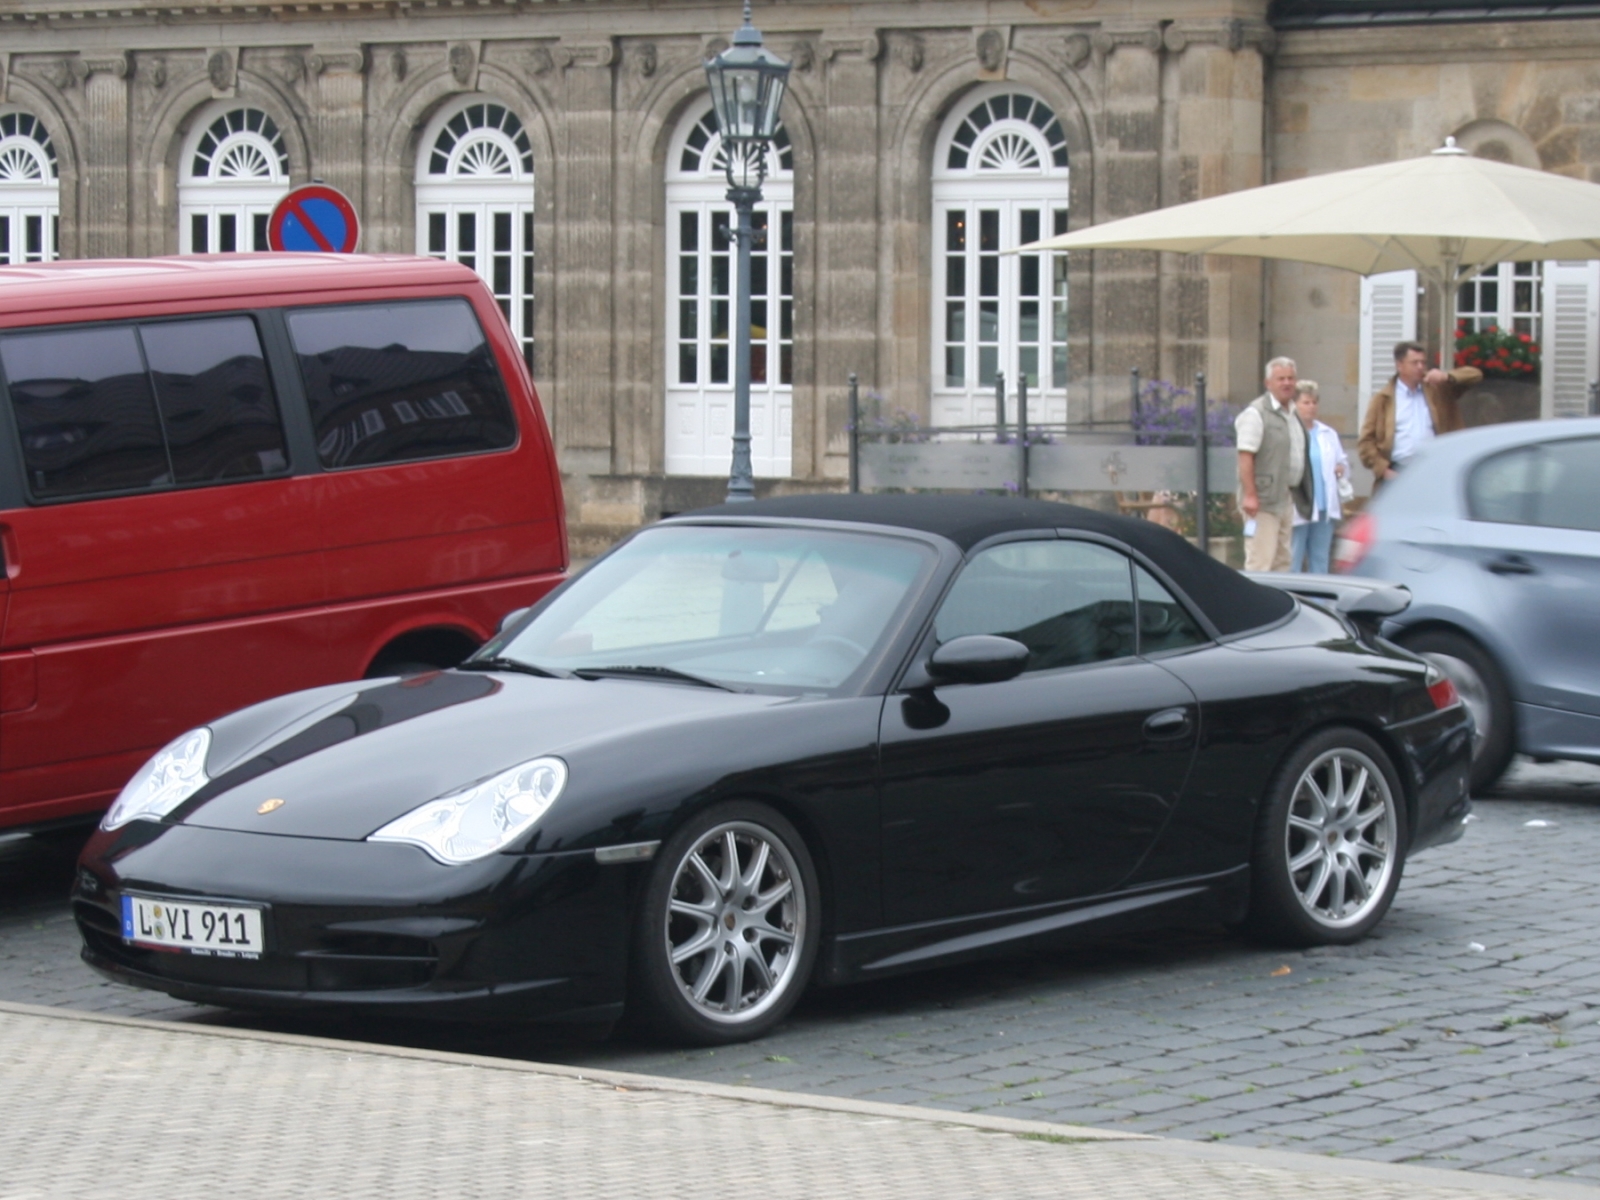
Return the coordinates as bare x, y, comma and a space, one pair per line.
1231, 602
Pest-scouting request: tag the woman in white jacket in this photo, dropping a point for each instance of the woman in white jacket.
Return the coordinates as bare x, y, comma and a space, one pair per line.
1312, 540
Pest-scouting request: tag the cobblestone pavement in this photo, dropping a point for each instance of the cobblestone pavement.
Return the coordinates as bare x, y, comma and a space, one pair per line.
1464, 1034
163, 1111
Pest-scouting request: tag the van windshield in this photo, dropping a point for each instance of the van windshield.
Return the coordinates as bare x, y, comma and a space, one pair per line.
787, 610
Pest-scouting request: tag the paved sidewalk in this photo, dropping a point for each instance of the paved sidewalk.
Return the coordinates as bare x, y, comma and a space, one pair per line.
95, 1106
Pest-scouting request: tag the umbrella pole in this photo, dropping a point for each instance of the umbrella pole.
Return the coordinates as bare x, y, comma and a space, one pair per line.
1450, 281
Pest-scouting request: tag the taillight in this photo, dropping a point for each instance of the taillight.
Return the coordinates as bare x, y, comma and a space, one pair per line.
1354, 540
1440, 690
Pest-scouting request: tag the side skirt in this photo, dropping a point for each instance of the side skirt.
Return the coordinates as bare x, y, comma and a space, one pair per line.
876, 953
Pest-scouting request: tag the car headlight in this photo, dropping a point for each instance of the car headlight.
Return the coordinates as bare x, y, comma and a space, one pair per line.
483, 818
177, 772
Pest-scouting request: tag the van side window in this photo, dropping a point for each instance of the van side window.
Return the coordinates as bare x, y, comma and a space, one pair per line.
216, 399
400, 381
84, 412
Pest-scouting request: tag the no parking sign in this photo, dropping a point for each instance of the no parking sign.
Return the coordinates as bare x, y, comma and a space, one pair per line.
314, 217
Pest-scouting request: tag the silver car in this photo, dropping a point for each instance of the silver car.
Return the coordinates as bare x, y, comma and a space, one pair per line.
1496, 532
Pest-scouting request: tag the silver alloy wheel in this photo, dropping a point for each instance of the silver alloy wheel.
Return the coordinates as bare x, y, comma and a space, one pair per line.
1341, 837
1472, 689
735, 922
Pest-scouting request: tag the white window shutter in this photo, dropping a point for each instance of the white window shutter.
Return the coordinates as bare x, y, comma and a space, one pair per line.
1570, 358
1388, 315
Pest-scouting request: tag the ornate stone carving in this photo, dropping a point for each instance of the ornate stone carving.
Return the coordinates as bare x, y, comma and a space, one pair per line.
802, 56
1229, 34
712, 47
1076, 49
330, 60
991, 49
910, 53
644, 60
397, 64
1106, 39
60, 74
587, 54
117, 65
221, 69
463, 58
541, 61
838, 46
156, 73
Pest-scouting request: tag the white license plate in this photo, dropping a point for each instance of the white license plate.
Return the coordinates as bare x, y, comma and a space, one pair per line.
228, 930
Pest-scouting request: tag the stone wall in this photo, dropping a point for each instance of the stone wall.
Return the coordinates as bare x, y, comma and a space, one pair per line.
1161, 102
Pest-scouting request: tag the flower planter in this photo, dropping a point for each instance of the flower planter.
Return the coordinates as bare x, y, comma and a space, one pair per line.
1496, 401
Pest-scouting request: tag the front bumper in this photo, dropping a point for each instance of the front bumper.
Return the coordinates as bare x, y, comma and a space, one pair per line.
357, 925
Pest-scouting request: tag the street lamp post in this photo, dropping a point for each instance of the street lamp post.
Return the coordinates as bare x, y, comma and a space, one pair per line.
747, 83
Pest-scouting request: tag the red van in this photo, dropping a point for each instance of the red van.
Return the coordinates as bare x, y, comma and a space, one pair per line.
224, 478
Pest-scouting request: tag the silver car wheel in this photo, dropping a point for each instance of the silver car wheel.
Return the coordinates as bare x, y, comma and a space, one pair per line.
1472, 689
1341, 838
735, 922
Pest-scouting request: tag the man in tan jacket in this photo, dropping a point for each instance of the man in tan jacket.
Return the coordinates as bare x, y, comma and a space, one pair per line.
1412, 408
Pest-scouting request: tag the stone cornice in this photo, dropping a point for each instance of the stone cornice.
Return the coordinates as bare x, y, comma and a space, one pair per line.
1374, 45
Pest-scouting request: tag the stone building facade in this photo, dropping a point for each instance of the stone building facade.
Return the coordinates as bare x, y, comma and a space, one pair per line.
563, 150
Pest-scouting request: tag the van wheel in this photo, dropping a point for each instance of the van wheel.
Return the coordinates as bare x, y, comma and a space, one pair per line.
1483, 690
1330, 843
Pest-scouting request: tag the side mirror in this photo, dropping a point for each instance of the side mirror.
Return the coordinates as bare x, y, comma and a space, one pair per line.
510, 619
978, 658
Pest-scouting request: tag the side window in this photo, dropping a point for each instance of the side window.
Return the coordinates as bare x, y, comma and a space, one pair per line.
1068, 602
1164, 624
395, 382
1504, 488
84, 412
1569, 485
216, 400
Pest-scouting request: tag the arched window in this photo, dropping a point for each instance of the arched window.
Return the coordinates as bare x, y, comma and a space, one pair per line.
30, 192
999, 181
475, 203
701, 274
233, 172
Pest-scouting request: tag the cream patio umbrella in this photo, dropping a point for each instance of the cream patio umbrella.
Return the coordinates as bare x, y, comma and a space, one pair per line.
1446, 214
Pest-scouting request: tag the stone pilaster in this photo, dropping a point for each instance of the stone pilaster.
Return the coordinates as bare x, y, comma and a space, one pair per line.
105, 154
581, 403
1211, 307
1127, 310
339, 75
847, 236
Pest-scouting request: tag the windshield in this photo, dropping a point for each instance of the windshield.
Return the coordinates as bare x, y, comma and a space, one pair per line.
751, 608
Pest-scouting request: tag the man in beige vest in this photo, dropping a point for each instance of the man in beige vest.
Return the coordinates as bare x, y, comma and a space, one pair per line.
1273, 481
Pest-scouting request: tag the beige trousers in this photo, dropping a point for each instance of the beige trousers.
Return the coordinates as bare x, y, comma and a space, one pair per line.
1268, 550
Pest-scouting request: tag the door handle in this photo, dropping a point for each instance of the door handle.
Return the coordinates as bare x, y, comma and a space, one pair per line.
1168, 723
1511, 564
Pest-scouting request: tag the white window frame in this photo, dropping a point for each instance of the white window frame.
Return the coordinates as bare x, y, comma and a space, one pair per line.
474, 197
233, 171
1505, 313
30, 190
699, 413
1012, 166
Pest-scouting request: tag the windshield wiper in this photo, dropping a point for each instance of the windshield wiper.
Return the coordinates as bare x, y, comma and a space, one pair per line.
501, 663
651, 672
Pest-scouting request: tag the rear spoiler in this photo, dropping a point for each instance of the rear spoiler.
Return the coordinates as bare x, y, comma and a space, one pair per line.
1365, 603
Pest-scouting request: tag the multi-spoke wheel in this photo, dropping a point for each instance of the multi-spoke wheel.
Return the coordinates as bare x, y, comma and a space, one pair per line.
728, 928
1331, 844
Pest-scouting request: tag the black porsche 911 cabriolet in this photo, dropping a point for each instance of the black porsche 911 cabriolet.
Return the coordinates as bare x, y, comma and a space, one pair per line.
806, 740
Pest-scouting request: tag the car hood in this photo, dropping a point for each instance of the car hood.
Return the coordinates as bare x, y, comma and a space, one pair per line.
346, 760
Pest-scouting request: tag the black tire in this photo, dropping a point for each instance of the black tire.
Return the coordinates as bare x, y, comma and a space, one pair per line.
387, 670
1306, 858
779, 941
1482, 688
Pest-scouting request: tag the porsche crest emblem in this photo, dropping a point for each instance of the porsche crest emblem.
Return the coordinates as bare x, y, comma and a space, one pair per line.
267, 806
